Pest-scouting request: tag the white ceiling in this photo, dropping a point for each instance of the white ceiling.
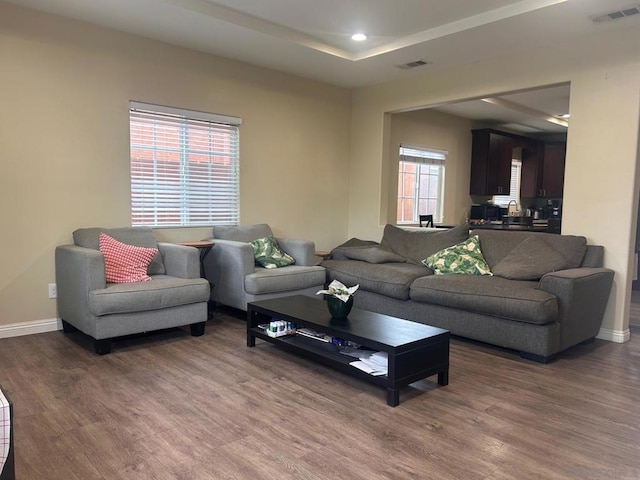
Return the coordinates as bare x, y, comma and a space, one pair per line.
311, 38
534, 112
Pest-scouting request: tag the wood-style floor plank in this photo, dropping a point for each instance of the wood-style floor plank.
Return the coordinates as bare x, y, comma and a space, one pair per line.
171, 406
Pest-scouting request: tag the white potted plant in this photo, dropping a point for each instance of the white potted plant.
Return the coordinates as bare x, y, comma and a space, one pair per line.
339, 298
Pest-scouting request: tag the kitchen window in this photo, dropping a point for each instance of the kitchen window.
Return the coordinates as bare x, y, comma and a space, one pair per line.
184, 167
514, 187
420, 183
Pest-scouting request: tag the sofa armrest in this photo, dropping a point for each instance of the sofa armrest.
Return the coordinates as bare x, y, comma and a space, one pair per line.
179, 260
79, 271
226, 266
582, 295
303, 251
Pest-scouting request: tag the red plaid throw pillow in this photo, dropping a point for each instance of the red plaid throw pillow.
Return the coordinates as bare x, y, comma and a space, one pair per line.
125, 263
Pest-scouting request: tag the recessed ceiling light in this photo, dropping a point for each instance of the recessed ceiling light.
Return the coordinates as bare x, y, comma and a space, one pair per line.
564, 115
358, 37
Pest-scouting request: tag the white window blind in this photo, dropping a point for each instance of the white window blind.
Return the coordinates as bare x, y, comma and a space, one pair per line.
184, 167
430, 156
514, 186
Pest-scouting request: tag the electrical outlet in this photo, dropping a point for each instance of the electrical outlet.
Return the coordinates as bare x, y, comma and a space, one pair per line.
53, 290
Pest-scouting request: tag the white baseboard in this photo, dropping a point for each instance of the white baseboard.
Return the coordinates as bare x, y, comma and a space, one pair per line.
54, 324
616, 336
29, 328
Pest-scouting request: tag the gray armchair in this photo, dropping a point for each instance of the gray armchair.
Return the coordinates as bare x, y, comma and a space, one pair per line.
176, 295
237, 280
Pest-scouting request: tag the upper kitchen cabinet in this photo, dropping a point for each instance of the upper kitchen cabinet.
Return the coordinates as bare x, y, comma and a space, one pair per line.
543, 172
491, 154
553, 170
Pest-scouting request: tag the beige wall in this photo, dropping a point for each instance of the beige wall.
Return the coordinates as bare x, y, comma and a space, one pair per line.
64, 92
314, 158
428, 128
601, 174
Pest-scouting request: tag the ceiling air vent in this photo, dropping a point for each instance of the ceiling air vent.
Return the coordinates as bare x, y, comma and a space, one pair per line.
617, 14
414, 64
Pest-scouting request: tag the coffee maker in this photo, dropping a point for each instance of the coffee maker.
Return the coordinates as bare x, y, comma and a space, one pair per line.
552, 210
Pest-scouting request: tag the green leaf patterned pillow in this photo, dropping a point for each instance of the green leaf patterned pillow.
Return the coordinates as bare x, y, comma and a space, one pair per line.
463, 258
268, 254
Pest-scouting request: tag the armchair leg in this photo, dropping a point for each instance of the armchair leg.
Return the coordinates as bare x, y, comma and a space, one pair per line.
197, 329
67, 327
102, 346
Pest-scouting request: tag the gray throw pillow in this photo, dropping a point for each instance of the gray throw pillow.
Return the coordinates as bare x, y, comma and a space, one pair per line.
338, 252
530, 260
416, 246
373, 254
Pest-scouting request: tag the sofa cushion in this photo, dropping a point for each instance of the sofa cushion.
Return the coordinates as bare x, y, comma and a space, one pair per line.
268, 254
125, 263
138, 236
372, 254
496, 245
163, 292
530, 260
293, 277
464, 258
338, 252
488, 295
416, 246
247, 233
389, 279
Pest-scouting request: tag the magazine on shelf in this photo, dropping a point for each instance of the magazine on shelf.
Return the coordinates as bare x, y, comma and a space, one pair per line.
373, 363
307, 332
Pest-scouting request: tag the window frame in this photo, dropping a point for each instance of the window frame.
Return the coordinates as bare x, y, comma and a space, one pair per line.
422, 157
184, 167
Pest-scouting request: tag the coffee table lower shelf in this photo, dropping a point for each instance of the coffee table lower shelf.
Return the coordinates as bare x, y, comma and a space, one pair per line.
408, 362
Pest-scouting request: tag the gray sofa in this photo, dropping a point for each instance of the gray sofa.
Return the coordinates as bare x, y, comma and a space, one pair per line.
547, 292
175, 297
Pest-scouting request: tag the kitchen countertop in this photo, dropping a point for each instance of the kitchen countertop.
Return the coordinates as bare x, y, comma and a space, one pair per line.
500, 226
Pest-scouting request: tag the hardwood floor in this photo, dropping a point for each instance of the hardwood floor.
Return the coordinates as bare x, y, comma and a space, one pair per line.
634, 310
171, 406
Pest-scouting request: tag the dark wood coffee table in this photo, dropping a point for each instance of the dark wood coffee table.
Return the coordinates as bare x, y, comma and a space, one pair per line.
415, 350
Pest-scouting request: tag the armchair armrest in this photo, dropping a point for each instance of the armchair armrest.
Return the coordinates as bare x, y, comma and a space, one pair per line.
179, 260
226, 266
79, 271
582, 295
303, 251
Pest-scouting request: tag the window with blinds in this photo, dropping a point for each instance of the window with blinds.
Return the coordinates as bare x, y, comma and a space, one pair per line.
514, 186
420, 183
184, 167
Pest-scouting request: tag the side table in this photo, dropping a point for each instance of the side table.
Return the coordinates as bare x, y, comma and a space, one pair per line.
204, 247
321, 255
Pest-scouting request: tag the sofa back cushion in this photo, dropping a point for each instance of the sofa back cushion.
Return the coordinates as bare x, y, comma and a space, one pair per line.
338, 253
137, 236
416, 246
246, 233
593, 257
530, 260
496, 245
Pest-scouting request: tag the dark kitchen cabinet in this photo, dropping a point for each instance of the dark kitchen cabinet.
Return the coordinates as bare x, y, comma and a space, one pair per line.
491, 154
553, 170
543, 171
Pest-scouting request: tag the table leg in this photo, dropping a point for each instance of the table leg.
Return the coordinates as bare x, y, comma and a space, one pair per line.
393, 397
443, 377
